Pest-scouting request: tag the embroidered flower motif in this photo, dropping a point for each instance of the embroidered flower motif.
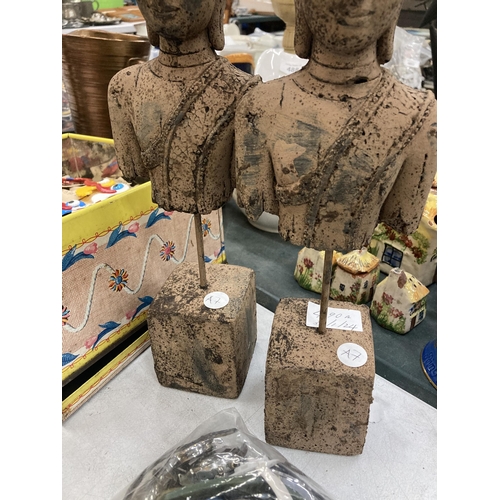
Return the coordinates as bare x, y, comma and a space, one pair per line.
167, 250
133, 228
72, 258
90, 342
65, 315
205, 226
90, 249
118, 280
118, 234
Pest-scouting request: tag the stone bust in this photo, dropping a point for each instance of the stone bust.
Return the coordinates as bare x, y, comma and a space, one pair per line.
341, 144
172, 117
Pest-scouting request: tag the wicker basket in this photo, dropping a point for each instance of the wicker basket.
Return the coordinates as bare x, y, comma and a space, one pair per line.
90, 59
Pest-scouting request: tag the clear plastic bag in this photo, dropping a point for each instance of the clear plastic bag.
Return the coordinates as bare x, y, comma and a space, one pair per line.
410, 53
221, 460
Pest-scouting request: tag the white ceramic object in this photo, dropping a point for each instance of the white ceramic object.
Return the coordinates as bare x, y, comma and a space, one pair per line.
231, 29
266, 222
140, 29
263, 41
275, 63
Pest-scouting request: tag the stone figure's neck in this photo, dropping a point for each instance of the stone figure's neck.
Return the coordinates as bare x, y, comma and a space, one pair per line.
188, 53
340, 69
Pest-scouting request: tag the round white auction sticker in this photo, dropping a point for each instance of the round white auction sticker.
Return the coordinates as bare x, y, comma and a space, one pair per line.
352, 355
216, 300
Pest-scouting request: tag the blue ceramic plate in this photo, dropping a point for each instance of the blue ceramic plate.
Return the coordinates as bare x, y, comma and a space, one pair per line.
429, 362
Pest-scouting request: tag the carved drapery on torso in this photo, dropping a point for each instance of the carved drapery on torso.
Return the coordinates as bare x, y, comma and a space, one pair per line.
330, 184
185, 143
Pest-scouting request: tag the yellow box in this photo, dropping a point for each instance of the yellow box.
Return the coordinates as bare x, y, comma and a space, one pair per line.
116, 255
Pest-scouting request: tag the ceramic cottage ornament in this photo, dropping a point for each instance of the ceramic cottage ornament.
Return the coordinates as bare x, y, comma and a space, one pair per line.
355, 277
399, 303
332, 149
309, 268
415, 253
172, 121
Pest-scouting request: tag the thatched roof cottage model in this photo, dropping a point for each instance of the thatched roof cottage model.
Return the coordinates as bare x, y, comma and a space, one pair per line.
415, 253
309, 268
399, 303
355, 277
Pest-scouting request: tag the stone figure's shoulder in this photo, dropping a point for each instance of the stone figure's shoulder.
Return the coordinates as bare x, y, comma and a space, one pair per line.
412, 98
265, 96
412, 113
239, 80
128, 78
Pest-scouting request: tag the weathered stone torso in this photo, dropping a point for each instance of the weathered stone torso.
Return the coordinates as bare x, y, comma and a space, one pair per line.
182, 124
331, 168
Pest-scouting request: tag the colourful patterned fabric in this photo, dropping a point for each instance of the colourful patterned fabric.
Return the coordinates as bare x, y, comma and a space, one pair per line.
116, 256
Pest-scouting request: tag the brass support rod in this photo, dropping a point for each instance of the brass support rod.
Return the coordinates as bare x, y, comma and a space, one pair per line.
325, 290
200, 250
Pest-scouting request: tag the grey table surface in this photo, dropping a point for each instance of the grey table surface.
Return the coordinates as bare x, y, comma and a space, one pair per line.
133, 420
397, 357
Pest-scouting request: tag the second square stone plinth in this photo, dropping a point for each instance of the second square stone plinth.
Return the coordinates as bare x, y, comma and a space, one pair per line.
313, 401
199, 349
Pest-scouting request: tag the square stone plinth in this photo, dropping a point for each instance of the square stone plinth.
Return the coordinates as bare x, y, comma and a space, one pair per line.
199, 349
313, 401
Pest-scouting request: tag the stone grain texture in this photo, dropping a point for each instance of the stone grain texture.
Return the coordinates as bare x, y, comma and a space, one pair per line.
198, 349
313, 401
